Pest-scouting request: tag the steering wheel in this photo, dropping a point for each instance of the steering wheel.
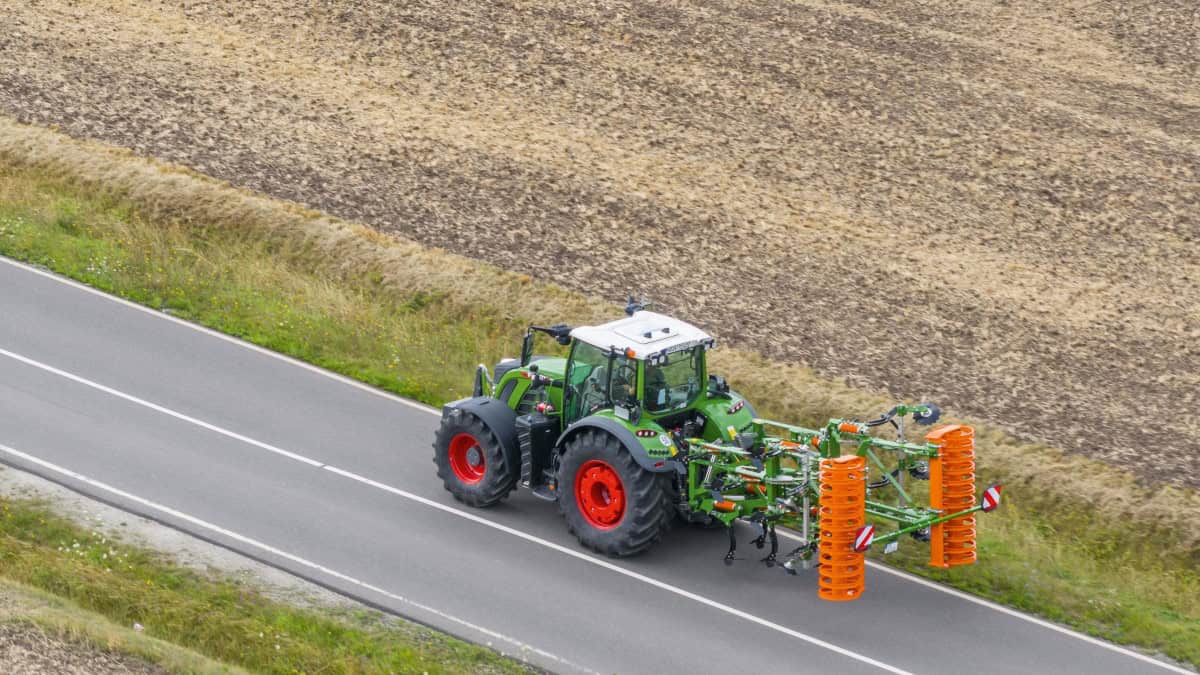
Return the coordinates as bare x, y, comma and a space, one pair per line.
624, 374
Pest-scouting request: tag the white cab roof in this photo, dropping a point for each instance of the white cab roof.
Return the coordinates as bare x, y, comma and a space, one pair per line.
644, 332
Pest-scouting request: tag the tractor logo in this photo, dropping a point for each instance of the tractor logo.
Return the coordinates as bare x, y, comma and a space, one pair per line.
665, 440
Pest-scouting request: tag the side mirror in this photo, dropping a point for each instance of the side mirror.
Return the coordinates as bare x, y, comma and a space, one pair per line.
527, 347
483, 381
561, 333
717, 384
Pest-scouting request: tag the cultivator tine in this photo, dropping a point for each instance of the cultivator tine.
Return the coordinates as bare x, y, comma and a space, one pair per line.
769, 561
761, 540
789, 565
732, 546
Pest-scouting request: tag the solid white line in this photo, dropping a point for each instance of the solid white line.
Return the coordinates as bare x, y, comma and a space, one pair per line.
418, 406
220, 336
1014, 613
441, 507
521, 646
1032, 619
158, 408
620, 570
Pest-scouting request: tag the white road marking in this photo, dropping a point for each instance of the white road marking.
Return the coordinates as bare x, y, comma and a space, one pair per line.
1014, 613
421, 500
221, 336
520, 646
662, 585
424, 408
158, 408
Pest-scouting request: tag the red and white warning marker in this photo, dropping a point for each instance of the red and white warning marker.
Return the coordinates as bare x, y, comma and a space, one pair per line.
991, 498
862, 540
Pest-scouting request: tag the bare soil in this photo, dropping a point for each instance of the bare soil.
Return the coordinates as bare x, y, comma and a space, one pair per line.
25, 649
994, 205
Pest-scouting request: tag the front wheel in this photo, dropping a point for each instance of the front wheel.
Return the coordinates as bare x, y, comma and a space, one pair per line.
471, 461
611, 504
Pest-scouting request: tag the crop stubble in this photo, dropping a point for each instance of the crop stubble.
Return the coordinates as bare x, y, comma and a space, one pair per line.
991, 205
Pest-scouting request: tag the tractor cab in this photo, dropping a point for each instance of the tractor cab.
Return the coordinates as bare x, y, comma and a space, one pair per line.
647, 364
606, 415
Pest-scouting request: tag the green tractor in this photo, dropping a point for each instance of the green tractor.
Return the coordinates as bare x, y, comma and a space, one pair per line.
630, 432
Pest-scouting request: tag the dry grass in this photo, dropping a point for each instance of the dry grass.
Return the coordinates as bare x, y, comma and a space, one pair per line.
993, 205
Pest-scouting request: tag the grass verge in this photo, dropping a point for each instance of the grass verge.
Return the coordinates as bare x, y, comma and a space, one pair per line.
222, 620
1077, 541
69, 627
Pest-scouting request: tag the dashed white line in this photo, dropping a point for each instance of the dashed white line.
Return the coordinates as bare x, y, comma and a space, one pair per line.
220, 336
267, 548
158, 408
412, 497
424, 408
662, 585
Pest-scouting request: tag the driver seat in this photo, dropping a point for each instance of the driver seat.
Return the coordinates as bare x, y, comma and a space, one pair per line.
592, 393
656, 385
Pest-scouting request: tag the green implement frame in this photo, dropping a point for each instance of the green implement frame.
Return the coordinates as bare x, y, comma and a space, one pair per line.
772, 479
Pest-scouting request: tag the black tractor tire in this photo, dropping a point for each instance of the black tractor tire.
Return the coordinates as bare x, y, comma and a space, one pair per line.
595, 474
471, 461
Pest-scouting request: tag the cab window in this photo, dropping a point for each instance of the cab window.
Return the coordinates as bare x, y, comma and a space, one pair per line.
586, 360
675, 383
593, 386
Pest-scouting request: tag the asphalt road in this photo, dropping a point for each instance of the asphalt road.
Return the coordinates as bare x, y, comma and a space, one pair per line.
334, 482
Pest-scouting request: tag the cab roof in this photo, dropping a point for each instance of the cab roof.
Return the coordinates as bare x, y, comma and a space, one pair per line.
645, 333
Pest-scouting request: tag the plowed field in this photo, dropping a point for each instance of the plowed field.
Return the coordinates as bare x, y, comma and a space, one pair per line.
994, 205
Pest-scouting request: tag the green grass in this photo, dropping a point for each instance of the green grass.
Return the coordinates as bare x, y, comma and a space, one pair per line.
226, 621
1047, 551
409, 344
1128, 596
39, 614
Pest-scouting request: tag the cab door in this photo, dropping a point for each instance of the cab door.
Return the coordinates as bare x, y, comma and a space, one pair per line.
586, 377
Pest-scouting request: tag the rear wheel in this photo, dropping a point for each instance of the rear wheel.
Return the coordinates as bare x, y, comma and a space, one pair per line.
470, 460
611, 504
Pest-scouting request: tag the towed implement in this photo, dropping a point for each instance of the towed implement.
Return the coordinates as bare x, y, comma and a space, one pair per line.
630, 432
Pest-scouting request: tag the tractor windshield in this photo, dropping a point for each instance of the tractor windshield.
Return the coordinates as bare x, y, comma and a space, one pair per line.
674, 384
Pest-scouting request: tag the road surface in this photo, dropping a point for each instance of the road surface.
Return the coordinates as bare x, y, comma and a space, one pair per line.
334, 482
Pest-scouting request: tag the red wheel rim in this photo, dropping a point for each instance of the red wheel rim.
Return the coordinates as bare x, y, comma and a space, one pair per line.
466, 459
600, 494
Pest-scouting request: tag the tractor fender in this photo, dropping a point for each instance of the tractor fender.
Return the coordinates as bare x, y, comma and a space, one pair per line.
498, 417
625, 437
